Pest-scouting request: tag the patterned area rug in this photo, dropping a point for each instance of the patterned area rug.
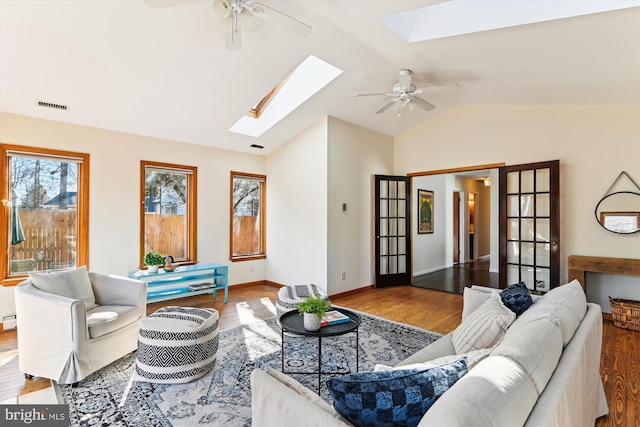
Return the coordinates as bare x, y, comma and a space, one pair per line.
110, 397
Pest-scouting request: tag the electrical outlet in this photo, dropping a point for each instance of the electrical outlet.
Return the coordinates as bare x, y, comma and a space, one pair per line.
344, 275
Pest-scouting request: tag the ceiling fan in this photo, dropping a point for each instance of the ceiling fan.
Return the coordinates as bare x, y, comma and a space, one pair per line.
404, 95
231, 11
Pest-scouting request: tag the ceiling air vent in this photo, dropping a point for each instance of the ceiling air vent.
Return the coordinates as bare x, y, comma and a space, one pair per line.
52, 105
257, 146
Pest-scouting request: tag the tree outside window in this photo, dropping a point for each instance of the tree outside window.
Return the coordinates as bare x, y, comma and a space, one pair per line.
46, 192
247, 216
168, 211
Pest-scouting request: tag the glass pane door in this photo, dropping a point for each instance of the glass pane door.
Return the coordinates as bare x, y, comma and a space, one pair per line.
393, 246
529, 230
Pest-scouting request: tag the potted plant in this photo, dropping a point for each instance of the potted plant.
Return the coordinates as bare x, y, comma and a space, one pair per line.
153, 260
313, 308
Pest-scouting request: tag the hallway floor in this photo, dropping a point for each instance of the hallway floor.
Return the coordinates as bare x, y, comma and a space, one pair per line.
454, 279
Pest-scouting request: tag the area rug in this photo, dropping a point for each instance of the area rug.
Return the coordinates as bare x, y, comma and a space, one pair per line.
110, 397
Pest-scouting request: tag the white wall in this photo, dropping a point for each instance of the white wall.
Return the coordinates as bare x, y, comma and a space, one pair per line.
593, 144
433, 251
114, 205
297, 210
355, 155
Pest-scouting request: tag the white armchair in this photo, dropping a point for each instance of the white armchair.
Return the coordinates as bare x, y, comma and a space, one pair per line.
73, 322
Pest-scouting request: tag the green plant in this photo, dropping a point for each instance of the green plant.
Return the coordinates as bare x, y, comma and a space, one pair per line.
152, 258
314, 305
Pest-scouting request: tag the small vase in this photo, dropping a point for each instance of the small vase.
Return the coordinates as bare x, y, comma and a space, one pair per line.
311, 321
153, 268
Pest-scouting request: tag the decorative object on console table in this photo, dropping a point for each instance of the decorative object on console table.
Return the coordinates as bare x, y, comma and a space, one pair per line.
183, 281
153, 260
313, 308
169, 265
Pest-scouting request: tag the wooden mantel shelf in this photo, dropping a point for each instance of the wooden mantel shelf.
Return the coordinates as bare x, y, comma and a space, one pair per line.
579, 265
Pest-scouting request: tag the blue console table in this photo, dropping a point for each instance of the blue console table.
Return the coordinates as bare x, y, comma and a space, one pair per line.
185, 281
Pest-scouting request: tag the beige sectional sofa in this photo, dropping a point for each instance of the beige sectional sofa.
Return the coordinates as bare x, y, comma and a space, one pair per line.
543, 372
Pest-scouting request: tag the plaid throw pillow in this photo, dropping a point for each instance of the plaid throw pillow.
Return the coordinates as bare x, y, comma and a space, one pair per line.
393, 398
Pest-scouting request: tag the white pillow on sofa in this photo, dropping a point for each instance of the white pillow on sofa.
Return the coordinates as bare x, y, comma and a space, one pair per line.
473, 298
72, 283
473, 357
484, 327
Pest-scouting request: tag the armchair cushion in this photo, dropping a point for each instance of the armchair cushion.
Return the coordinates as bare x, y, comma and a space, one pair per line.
104, 319
72, 283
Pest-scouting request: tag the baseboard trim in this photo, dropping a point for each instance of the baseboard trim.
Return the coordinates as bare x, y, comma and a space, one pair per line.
353, 291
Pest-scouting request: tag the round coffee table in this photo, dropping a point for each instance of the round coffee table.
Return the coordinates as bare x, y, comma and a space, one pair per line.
292, 322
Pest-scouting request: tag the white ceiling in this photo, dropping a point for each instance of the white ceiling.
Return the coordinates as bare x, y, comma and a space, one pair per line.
165, 73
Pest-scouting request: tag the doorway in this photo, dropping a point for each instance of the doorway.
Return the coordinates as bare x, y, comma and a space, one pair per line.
523, 217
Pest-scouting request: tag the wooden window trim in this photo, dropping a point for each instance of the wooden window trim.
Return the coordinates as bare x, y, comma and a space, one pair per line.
82, 243
263, 217
192, 217
257, 111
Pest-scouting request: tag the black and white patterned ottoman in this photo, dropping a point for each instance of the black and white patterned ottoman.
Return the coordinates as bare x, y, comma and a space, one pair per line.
176, 345
288, 296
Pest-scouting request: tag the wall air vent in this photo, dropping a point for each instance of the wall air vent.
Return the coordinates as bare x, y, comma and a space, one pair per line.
52, 105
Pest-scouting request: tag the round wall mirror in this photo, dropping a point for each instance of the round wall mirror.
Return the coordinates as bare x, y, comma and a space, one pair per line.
619, 212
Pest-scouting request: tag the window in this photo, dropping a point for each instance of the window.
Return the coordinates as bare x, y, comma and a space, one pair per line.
45, 195
247, 216
168, 212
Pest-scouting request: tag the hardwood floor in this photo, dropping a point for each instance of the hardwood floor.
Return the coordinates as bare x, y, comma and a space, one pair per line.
454, 279
429, 309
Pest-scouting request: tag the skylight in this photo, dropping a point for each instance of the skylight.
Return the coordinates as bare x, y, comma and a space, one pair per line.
456, 17
305, 81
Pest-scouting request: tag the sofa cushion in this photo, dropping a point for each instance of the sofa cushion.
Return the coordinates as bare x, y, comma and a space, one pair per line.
104, 319
443, 346
517, 298
473, 357
277, 400
71, 283
536, 346
497, 392
566, 305
473, 298
484, 327
393, 398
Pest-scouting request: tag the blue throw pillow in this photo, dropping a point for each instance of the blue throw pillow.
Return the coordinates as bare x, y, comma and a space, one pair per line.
517, 298
393, 398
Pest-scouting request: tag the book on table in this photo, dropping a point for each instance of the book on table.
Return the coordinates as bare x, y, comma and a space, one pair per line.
334, 317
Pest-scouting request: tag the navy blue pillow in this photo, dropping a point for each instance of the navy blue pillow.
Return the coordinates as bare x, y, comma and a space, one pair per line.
393, 398
517, 298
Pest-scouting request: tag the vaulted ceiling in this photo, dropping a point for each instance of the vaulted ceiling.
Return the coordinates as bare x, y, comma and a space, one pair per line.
165, 73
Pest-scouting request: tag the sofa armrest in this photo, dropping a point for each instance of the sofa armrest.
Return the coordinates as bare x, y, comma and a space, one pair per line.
119, 290
38, 337
279, 400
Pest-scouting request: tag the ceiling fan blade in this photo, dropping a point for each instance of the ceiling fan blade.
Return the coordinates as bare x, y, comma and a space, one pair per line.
172, 3
276, 17
386, 105
437, 88
426, 106
373, 94
404, 79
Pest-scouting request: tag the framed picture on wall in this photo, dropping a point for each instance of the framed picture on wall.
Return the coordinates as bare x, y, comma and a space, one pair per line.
425, 211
